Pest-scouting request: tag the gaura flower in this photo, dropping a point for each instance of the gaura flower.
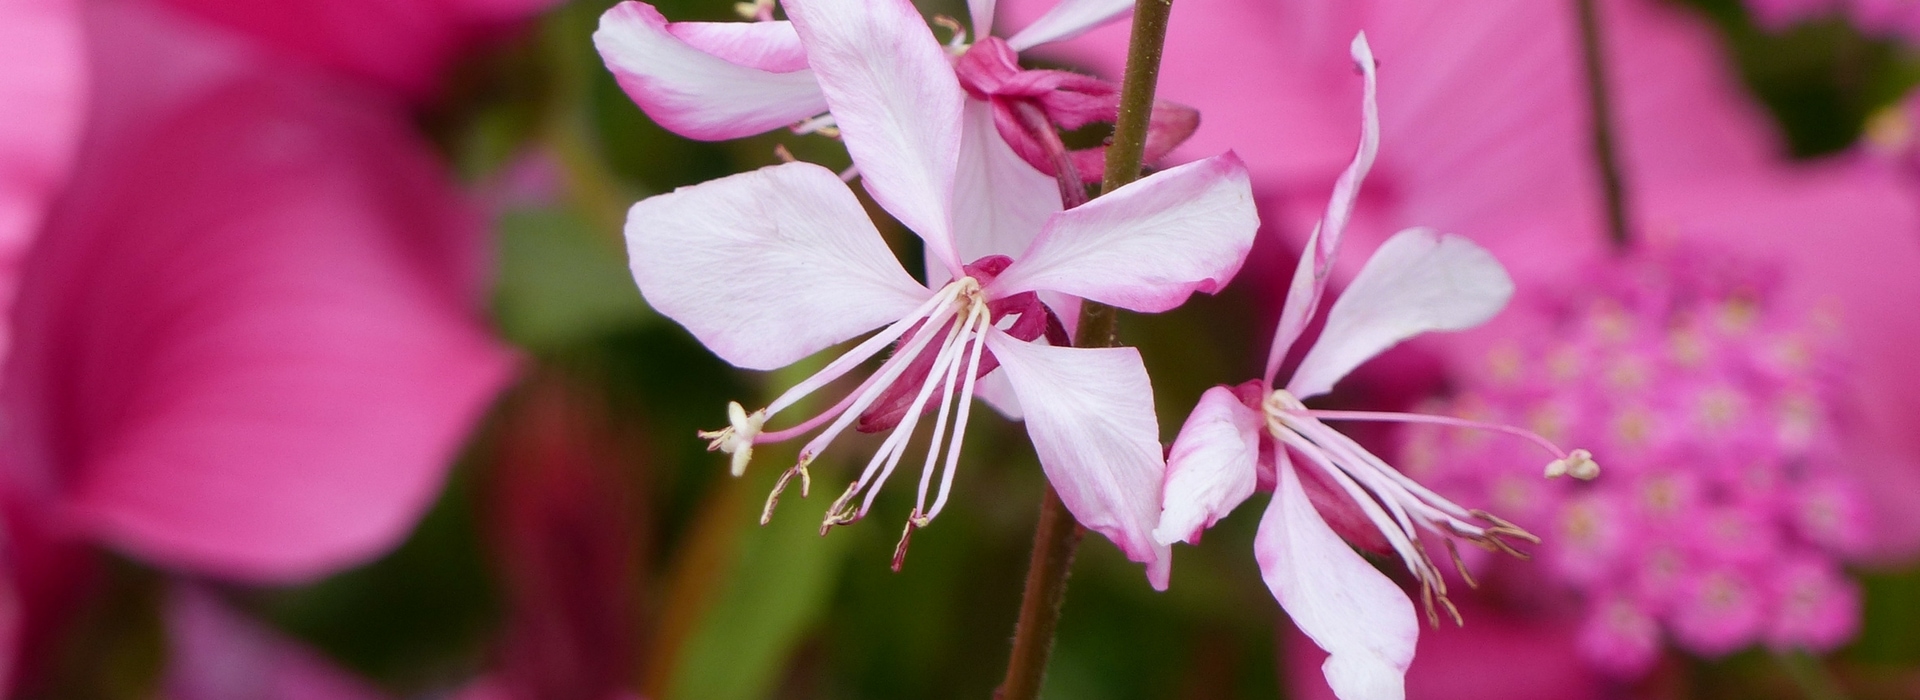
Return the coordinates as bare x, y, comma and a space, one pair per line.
723, 80
771, 266
1239, 437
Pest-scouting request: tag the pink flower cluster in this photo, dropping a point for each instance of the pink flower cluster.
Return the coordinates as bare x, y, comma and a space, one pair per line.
1725, 512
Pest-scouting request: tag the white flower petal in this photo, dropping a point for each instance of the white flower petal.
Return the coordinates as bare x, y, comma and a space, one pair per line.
897, 102
708, 80
768, 266
1345, 605
1213, 467
1418, 281
1149, 245
1090, 416
1068, 19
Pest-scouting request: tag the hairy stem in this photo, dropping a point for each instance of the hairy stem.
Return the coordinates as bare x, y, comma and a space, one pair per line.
1057, 535
1605, 139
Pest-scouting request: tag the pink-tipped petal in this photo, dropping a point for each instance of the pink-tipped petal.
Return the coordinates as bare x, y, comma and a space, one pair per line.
1149, 245
1090, 414
894, 96
712, 81
1000, 203
247, 340
769, 266
1345, 605
1068, 19
1418, 281
1323, 245
1213, 467
980, 12
216, 653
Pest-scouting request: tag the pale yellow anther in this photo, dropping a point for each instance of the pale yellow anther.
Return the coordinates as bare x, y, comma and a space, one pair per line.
737, 438
1578, 464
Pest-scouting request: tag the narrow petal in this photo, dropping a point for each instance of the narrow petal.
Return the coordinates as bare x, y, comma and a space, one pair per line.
1149, 245
1069, 19
769, 266
894, 96
1316, 262
1213, 467
1418, 281
981, 14
1345, 605
1090, 414
711, 81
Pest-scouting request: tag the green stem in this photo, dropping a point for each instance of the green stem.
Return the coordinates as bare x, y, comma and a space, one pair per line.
1605, 139
1057, 535
1815, 682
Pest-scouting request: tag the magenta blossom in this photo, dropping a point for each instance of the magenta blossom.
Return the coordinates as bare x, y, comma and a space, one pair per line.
1238, 437
246, 341
1727, 512
771, 266
403, 45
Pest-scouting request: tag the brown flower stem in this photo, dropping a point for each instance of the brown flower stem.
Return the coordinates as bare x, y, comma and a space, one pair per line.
1057, 534
1606, 148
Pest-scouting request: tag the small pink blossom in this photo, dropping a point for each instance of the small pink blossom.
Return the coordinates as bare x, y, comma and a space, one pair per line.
770, 266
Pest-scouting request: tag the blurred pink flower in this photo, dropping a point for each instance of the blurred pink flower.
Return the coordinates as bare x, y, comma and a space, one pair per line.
1897, 18
43, 93
768, 267
246, 341
404, 45
217, 653
1491, 139
1727, 509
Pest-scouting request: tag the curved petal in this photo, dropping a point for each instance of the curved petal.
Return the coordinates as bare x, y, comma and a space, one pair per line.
1323, 245
1213, 467
897, 103
1068, 19
1418, 281
769, 266
1345, 605
248, 342
1146, 246
708, 80
1090, 414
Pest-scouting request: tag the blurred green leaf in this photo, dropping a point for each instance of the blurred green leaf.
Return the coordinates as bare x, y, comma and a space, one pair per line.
561, 280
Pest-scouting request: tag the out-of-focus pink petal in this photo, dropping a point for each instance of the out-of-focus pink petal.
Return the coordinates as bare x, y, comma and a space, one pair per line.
1418, 281
247, 340
1090, 414
1497, 655
1309, 282
894, 96
1213, 467
980, 17
402, 44
769, 266
43, 91
708, 80
1068, 19
1149, 245
1348, 607
215, 653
